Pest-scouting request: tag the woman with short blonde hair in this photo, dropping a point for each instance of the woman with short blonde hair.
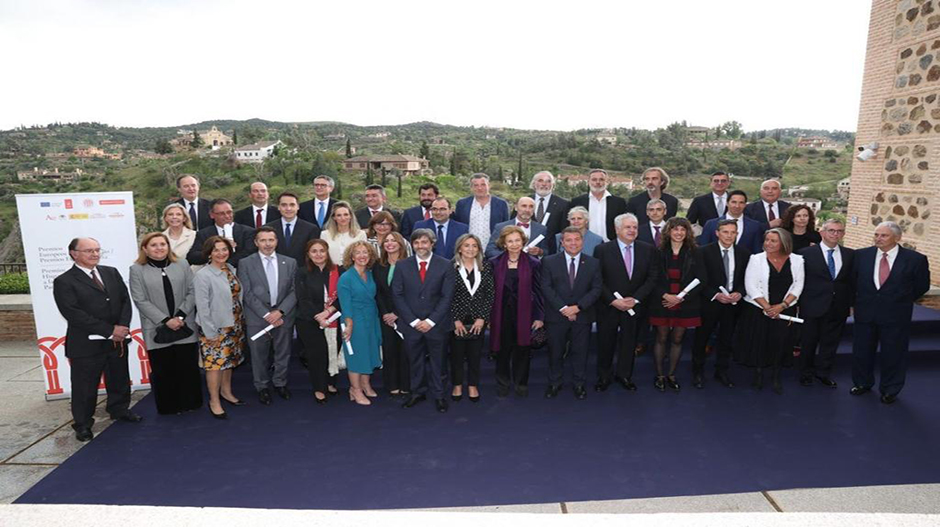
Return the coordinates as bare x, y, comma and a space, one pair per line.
178, 229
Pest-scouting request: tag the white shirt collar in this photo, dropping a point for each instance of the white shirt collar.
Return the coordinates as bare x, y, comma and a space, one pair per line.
605, 196
719, 196
285, 221
576, 257
419, 259
547, 198
257, 208
88, 271
624, 245
891, 254
660, 224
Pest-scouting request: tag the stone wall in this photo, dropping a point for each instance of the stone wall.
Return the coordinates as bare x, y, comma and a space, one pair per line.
900, 109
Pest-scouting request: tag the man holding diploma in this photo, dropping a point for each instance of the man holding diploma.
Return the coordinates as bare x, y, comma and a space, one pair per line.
525, 209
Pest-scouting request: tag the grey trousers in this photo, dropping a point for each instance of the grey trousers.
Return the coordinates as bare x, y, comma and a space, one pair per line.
273, 347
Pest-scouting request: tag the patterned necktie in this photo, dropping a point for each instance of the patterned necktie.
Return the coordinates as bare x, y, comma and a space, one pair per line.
884, 269
571, 273
628, 261
258, 222
720, 205
524, 225
657, 237
423, 270
192, 215
321, 214
94, 278
831, 262
726, 259
272, 278
770, 213
287, 236
540, 212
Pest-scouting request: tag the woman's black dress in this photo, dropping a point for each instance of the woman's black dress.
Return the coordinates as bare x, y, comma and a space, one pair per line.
761, 341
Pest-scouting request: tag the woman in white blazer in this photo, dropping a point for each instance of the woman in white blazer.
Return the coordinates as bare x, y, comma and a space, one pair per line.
774, 282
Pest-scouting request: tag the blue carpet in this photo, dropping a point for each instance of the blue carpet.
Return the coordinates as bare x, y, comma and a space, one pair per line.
614, 445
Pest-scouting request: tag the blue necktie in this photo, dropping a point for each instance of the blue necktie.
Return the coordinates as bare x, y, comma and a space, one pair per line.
192, 216
440, 238
832, 264
287, 236
321, 215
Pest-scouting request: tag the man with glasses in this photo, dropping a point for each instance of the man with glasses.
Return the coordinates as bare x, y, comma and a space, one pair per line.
375, 199
318, 209
242, 237
711, 205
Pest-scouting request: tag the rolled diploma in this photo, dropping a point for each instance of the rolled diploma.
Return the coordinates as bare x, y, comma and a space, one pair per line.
259, 334
395, 327
545, 218
692, 285
342, 327
726, 293
618, 296
788, 318
535, 242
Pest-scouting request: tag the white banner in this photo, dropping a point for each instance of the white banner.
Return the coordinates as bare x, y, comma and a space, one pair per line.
48, 223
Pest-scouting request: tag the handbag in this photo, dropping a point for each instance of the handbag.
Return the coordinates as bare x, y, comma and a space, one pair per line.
539, 338
165, 335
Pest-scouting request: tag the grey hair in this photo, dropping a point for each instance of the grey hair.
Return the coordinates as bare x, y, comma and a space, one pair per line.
654, 202
618, 221
832, 220
771, 180
328, 178
601, 170
537, 174
579, 210
423, 233
662, 173
479, 175
895, 228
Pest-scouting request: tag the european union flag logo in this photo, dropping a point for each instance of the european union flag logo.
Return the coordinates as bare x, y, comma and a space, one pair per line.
45, 204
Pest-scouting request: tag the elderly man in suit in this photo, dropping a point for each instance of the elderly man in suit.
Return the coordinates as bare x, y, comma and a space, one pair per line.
550, 209
888, 279
375, 202
446, 230
630, 270
427, 193
827, 297
318, 209
267, 280
571, 285
293, 233
712, 205
422, 291
770, 208
525, 209
750, 232
94, 301
196, 207
481, 211
655, 180
602, 206
241, 237
259, 212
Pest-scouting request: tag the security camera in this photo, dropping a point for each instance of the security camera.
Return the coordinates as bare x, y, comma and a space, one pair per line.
867, 152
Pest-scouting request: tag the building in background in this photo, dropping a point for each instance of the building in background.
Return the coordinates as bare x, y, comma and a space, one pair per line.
256, 152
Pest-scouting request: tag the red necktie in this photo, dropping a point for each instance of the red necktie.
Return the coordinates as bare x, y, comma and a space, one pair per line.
372, 212
884, 269
524, 225
427, 214
423, 270
258, 219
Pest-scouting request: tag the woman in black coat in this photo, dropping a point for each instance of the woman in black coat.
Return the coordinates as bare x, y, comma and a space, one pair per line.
471, 307
395, 370
316, 288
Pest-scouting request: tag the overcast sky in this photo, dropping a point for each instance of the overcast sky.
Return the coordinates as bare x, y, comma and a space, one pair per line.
538, 65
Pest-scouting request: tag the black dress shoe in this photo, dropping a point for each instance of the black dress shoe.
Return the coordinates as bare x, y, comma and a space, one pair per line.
758, 379
441, 405
601, 385
724, 379
777, 385
888, 399
282, 392
456, 398
522, 391
806, 381
264, 396
474, 399
698, 380
222, 415
660, 383
859, 390
413, 400
128, 417
827, 382
580, 393
84, 435
552, 391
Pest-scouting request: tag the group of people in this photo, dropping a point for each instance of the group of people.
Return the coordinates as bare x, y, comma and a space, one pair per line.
415, 293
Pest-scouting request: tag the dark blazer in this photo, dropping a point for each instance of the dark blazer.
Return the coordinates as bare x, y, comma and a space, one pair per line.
455, 229
894, 302
703, 209
363, 216
246, 216
558, 293
383, 289
306, 212
691, 305
244, 238
646, 271
752, 239
637, 205
256, 294
535, 228
309, 287
202, 213
302, 233
645, 234
712, 271
756, 210
467, 307
821, 294
419, 300
89, 310
499, 210
615, 207
557, 210
408, 220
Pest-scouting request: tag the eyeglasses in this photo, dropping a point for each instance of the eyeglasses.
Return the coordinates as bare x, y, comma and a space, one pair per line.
88, 251
321, 184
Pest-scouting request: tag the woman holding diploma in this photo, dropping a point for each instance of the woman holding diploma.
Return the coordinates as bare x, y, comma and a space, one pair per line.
316, 286
677, 290
362, 335
774, 282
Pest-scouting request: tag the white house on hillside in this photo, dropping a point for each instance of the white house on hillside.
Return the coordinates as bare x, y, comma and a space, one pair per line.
256, 152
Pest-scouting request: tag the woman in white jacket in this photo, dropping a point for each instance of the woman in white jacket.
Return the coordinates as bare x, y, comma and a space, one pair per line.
774, 282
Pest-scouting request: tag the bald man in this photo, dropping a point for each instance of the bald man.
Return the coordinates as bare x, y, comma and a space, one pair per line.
525, 212
770, 208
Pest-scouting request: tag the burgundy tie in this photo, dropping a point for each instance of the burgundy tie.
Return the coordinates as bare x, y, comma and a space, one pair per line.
372, 212
770, 213
524, 225
884, 269
258, 223
94, 278
657, 236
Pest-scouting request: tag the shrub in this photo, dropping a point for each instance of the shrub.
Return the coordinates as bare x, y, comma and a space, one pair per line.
14, 284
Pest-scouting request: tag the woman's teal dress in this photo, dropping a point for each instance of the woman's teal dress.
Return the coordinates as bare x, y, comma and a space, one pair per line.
358, 300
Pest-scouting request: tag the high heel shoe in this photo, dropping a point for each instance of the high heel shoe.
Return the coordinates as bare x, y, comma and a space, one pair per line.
236, 402
320, 401
672, 384
660, 383
457, 397
472, 398
356, 395
369, 392
222, 415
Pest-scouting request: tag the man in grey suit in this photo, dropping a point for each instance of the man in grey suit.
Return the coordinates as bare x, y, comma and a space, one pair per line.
268, 294
525, 210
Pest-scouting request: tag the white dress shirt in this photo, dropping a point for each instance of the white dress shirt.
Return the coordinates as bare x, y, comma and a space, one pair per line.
661, 225
527, 230
597, 212
547, 198
88, 271
195, 208
632, 248
729, 284
892, 256
740, 222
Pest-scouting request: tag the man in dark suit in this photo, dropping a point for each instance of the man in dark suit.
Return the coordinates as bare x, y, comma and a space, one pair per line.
375, 202
259, 212
422, 290
317, 210
825, 302
713, 204
571, 285
651, 232
525, 208
750, 232
427, 193
602, 206
551, 210
243, 238
888, 279
770, 208
293, 233
655, 180
472, 210
629, 271
196, 207
446, 229
724, 264
94, 301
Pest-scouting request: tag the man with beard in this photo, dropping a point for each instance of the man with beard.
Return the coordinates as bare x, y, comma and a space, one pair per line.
427, 193
656, 180
601, 205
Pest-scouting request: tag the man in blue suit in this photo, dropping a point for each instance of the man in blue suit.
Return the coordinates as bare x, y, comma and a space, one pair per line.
445, 229
888, 279
525, 210
750, 232
427, 193
422, 290
482, 211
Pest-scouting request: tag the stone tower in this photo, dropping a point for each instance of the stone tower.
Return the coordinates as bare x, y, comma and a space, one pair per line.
900, 110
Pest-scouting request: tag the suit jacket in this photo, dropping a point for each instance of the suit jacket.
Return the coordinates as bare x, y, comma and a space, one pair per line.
455, 229
712, 272
637, 205
752, 239
556, 211
256, 294
244, 238
202, 212
615, 207
306, 212
383, 290
408, 220
756, 210
89, 310
645, 233
309, 288
822, 294
558, 293
646, 271
499, 210
214, 303
703, 209
302, 232
536, 228
363, 216
688, 271
246, 216
417, 300
894, 302
147, 292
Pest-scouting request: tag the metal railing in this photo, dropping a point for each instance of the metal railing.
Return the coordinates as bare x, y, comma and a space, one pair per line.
7, 268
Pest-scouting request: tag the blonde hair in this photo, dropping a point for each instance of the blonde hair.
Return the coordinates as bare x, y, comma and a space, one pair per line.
353, 224
348, 254
187, 221
142, 255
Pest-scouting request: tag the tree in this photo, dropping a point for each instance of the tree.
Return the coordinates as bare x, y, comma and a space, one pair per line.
425, 150
453, 163
732, 129
163, 146
348, 148
234, 137
197, 140
370, 179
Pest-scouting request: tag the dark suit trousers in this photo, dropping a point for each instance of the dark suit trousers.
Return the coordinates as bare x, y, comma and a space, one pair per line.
725, 318
559, 336
894, 339
316, 350
426, 360
86, 373
395, 370
823, 332
616, 332
465, 350
174, 378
